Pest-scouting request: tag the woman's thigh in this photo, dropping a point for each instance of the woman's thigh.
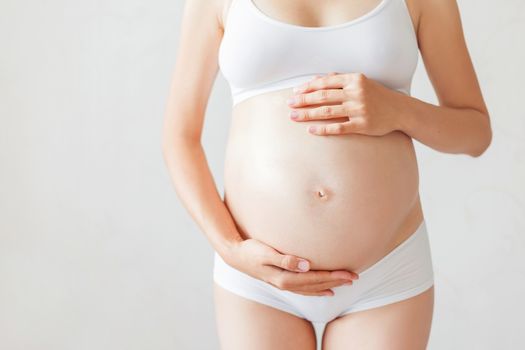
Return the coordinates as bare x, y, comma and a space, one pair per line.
404, 325
245, 324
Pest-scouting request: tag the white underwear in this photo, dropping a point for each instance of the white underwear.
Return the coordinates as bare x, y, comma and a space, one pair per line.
404, 272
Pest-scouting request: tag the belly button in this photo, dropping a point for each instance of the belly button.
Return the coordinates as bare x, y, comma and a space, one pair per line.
321, 194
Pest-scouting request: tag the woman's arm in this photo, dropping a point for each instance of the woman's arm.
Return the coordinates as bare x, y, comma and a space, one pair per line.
195, 71
461, 123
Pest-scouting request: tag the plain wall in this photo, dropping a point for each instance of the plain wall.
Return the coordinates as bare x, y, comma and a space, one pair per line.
97, 252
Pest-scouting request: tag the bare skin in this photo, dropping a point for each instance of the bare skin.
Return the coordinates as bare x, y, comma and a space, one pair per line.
237, 327
235, 226
402, 325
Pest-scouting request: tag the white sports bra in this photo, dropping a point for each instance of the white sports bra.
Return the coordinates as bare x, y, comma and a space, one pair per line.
259, 54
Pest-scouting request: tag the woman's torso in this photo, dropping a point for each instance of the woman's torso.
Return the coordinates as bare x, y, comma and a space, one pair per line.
340, 201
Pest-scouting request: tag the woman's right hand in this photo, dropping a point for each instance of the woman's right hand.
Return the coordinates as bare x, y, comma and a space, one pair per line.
283, 271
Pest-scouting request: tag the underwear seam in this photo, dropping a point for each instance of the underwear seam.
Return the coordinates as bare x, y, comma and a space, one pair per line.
392, 298
408, 242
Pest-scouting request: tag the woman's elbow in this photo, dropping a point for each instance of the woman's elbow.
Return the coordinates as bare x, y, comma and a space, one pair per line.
486, 139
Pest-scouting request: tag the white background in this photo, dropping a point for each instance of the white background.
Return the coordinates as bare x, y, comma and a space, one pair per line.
96, 251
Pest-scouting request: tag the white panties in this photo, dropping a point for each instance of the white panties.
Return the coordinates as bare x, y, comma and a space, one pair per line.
403, 273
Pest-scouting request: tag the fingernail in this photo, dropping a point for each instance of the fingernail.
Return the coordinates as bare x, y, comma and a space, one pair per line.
291, 100
298, 89
303, 265
312, 128
294, 114
356, 276
329, 294
348, 283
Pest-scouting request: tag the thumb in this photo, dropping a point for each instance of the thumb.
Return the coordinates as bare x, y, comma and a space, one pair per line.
292, 263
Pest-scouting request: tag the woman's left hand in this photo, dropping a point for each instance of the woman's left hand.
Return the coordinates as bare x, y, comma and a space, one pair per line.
372, 108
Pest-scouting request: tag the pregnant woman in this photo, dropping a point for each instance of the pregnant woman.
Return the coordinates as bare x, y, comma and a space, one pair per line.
320, 236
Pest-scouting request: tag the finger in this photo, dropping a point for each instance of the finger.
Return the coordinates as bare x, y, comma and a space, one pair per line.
323, 112
317, 76
326, 292
289, 262
322, 96
312, 288
292, 280
354, 125
332, 80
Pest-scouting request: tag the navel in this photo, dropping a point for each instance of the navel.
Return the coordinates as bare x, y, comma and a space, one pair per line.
321, 193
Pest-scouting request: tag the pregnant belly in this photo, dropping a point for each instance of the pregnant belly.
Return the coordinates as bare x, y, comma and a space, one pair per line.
336, 200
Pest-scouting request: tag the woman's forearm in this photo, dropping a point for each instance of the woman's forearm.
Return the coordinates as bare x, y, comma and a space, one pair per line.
445, 129
195, 186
